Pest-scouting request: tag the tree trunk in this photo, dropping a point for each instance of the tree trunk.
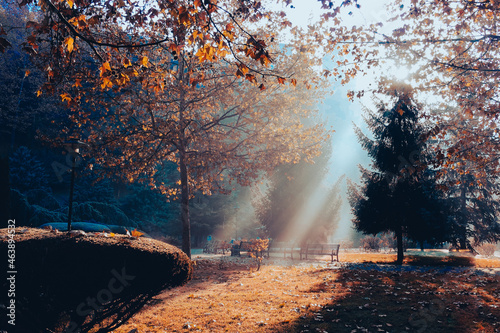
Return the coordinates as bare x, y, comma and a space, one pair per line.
399, 239
186, 223
464, 217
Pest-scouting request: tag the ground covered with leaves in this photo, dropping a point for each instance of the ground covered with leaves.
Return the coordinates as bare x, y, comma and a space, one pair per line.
364, 293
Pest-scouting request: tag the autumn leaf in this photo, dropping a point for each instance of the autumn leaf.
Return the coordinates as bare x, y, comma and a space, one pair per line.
78, 83
105, 67
66, 97
126, 63
69, 44
281, 80
262, 87
400, 111
136, 233
38, 93
144, 61
106, 83
70, 3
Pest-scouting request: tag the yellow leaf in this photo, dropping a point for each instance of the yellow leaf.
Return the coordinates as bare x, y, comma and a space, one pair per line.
69, 44
38, 93
70, 3
136, 233
66, 97
105, 67
27, 73
106, 83
112, 234
126, 63
144, 61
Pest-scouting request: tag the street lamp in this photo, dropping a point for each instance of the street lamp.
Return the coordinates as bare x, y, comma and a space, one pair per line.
73, 147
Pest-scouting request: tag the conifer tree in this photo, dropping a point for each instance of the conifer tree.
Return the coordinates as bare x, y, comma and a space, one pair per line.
397, 194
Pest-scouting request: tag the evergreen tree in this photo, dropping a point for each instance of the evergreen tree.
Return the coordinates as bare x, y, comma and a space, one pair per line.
26, 171
473, 207
398, 195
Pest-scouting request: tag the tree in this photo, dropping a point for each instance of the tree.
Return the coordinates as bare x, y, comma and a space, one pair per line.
395, 196
113, 34
27, 172
214, 128
161, 81
453, 49
471, 181
20, 111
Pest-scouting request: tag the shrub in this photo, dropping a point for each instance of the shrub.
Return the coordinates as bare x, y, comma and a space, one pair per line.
40, 216
346, 244
486, 249
371, 243
78, 283
99, 212
389, 241
20, 207
43, 198
257, 248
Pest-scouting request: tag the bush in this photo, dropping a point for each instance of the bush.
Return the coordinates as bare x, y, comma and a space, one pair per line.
111, 214
486, 249
40, 216
20, 207
371, 243
389, 241
43, 198
346, 244
99, 212
86, 282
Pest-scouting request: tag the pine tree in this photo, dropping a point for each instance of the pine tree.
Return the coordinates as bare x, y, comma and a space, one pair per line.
26, 171
398, 194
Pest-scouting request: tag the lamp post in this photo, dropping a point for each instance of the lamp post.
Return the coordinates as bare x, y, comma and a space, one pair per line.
73, 147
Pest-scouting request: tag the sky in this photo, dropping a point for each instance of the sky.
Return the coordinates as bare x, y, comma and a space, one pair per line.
339, 112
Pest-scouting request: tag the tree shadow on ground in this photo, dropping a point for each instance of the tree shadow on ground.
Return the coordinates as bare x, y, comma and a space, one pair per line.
388, 298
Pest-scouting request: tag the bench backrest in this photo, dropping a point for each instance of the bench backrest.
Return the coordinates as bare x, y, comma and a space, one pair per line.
323, 247
245, 246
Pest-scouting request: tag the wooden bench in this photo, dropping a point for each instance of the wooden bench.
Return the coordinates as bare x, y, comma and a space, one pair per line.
281, 247
215, 246
320, 249
242, 246
246, 246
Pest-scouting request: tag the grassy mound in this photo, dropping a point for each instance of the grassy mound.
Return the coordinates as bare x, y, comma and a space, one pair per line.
80, 282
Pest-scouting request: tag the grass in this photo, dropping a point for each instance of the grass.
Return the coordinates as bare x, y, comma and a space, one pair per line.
228, 295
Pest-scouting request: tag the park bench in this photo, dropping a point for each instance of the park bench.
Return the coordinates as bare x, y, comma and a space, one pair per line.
245, 246
238, 247
216, 246
280, 247
320, 249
